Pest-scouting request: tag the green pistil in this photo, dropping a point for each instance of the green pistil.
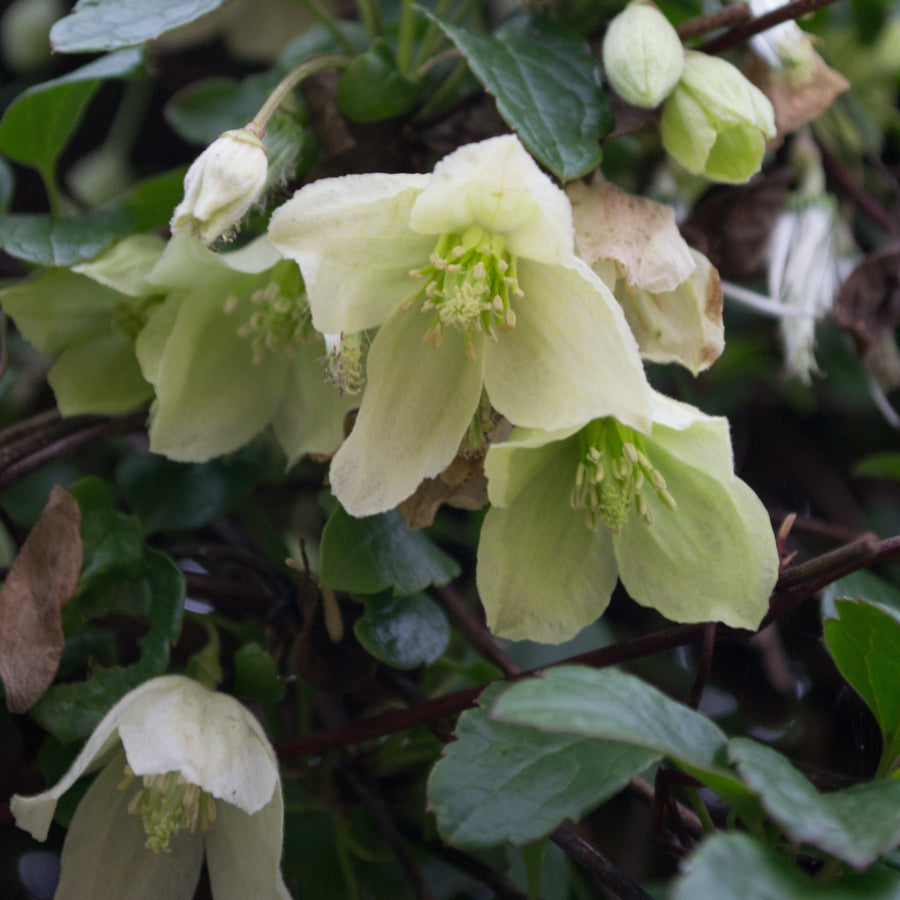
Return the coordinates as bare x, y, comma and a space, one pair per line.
470, 279
611, 474
278, 323
168, 804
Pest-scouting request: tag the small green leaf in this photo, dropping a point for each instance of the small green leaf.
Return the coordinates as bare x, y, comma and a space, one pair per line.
879, 465
204, 109
152, 201
736, 867
544, 80
403, 632
865, 643
371, 87
377, 553
256, 675
111, 24
39, 122
500, 782
857, 824
41, 239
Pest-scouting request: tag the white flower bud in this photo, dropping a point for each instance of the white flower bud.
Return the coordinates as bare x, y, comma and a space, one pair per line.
642, 55
222, 184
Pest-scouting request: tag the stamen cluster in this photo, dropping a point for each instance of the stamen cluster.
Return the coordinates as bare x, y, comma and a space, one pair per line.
611, 474
470, 279
278, 323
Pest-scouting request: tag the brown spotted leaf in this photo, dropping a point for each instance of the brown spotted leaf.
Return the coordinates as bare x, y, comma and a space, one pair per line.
40, 583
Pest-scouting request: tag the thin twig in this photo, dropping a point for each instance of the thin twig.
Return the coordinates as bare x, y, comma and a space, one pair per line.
598, 865
746, 30
850, 187
705, 665
735, 14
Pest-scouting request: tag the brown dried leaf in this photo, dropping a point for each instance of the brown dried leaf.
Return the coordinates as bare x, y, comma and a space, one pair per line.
795, 104
40, 583
462, 484
868, 303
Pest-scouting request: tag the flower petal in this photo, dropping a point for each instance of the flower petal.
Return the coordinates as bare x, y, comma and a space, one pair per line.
211, 397
210, 738
311, 416
125, 267
711, 559
416, 408
104, 854
100, 375
243, 853
543, 575
570, 357
497, 185
34, 814
352, 240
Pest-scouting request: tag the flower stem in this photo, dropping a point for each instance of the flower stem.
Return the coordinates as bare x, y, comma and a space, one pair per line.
371, 16
289, 82
326, 19
405, 36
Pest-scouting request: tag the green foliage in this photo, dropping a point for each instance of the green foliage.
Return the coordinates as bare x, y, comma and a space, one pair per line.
500, 782
378, 553
372, 88
544, 80
403, 632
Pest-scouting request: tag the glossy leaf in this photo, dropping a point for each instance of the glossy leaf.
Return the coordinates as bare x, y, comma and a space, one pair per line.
544, 80
39, 122
403, 632
152, 200
865, 643
377, 553
41, 239
371, 87
499, 782
857, 824
111, 24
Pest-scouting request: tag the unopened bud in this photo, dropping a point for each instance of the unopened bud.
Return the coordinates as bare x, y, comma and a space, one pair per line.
715, 122
222, 184
642, 55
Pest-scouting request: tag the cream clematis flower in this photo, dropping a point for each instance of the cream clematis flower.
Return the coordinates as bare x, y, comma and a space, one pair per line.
575, 509
210, 787
472, 276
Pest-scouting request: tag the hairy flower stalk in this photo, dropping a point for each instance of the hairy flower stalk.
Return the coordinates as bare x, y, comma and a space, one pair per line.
575, 509
471, 276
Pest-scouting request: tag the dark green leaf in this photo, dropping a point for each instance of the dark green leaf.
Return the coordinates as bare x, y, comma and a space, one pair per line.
403, 632
865, 643
71, 711
7, 185
613, 705
41, 239
857, 824
736, 867
152, 201
545, 83
377, 553
204, 109
111, 24
500, 782
371, 88
861, 585
256, 675
38, 123
167, 495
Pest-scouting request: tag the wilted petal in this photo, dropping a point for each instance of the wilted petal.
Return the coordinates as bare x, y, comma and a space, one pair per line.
570, 357
497, 185
352, 240
104, 857
543, 575
416, 408
243, 853
639, 234
210, 738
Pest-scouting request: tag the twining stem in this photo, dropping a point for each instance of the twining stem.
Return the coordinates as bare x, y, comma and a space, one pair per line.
748, 29
289, 82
